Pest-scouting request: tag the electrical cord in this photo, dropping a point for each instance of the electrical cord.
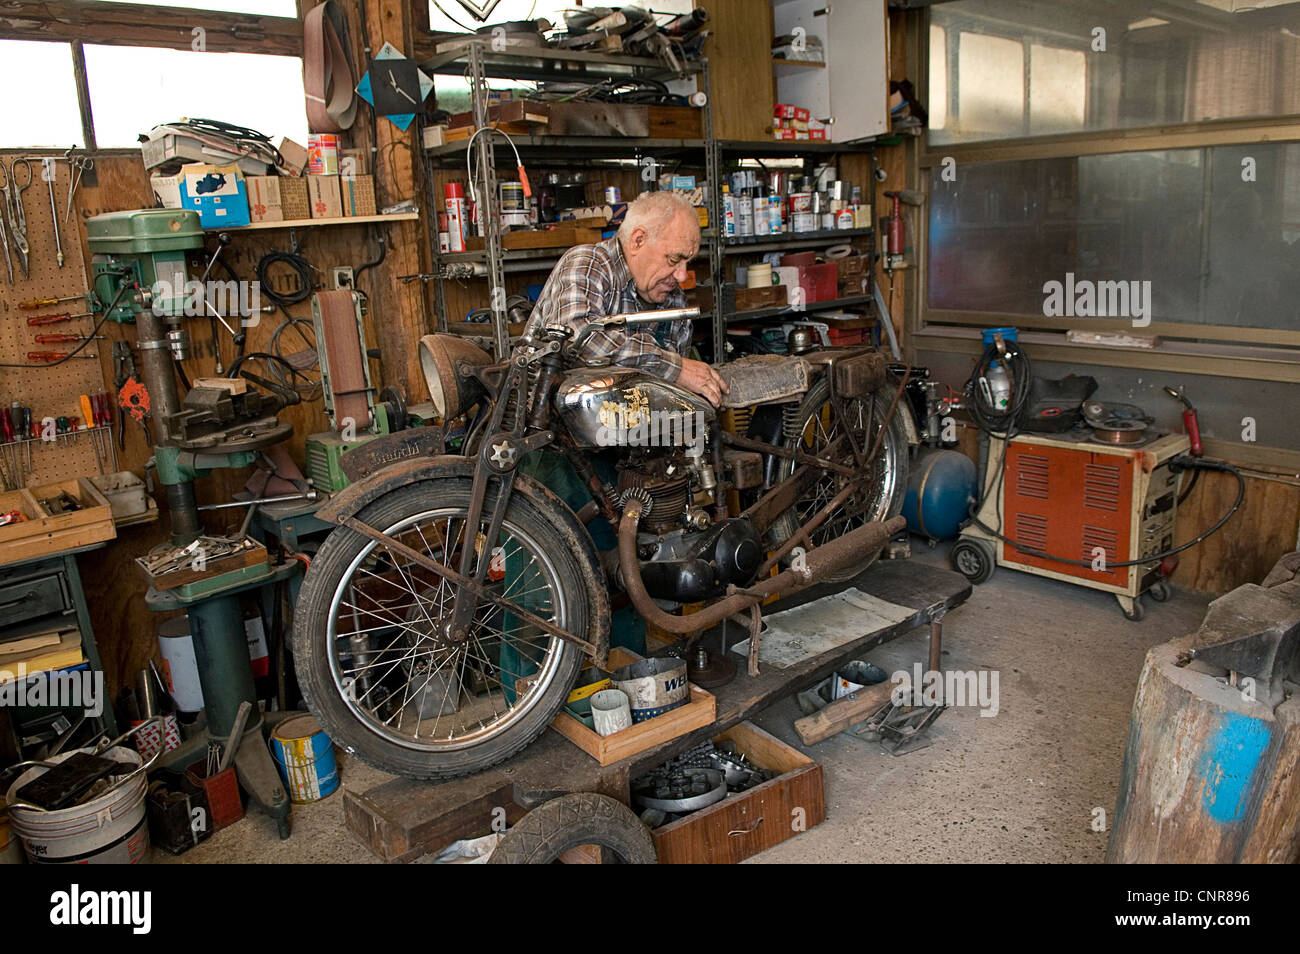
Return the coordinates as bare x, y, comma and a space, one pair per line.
297, 264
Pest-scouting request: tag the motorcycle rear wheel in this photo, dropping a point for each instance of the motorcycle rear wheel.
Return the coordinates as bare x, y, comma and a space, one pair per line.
384, 679
814, 427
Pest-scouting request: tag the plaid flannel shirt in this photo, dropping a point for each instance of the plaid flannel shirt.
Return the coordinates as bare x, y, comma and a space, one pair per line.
592, 281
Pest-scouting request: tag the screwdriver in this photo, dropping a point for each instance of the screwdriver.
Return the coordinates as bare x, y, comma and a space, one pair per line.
62, 338
27, 435
61, 428
35, 320
35, 303
49, 356
88, 415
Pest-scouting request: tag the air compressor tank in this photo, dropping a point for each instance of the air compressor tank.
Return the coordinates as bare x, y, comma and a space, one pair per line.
940, 491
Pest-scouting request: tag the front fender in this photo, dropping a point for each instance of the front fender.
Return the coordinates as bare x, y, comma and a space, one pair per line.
346, 502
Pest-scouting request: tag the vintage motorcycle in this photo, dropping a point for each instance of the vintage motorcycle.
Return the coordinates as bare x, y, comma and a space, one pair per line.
442, 625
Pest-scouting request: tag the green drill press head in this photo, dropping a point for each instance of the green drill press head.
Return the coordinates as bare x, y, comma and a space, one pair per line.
147, 246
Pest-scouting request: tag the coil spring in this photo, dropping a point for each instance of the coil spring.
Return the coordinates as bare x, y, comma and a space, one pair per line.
791, 422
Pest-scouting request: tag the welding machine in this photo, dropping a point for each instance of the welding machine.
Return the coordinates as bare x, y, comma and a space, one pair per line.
1071, 497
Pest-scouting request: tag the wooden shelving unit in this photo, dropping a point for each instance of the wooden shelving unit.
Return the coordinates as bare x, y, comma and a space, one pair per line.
304, 223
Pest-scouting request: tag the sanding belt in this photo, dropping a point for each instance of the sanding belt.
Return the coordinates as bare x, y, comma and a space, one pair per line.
344, 357
327, 63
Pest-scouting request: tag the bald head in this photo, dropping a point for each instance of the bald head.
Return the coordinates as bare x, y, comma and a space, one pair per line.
660, 235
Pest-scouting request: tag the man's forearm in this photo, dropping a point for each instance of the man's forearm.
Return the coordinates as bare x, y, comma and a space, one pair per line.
634, 351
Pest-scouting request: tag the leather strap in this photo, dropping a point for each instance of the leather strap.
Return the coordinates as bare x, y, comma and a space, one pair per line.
327, 64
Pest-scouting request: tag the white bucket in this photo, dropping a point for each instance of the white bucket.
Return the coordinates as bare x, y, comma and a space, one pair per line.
110, 829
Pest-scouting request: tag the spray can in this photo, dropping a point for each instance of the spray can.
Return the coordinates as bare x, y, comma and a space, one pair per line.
457, 215
728, 213
744, 215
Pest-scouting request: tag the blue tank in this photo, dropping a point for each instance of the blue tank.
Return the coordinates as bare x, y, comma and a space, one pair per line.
940, 491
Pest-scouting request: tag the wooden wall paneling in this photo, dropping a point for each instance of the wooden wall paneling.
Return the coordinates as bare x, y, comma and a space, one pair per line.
739, 49
898, 162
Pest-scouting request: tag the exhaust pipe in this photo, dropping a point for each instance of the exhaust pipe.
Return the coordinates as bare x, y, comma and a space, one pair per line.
821, 561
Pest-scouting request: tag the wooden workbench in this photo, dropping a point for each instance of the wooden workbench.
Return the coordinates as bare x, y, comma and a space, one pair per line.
401, 819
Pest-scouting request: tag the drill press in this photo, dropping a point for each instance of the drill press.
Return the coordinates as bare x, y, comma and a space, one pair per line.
139, 261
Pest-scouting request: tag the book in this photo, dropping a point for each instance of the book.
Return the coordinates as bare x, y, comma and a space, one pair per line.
66, 653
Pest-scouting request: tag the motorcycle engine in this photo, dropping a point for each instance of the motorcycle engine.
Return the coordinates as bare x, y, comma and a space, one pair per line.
685, 555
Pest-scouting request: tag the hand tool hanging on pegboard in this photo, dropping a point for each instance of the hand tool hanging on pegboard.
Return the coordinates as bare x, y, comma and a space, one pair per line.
36, 321
13, 196
50, 171
76, 166
34, 303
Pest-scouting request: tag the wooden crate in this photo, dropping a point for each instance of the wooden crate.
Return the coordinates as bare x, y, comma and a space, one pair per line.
252, 556
700, 711
742, 825
562, 236
44, 532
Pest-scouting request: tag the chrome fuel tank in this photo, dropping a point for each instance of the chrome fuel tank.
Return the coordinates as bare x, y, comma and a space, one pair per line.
624, 407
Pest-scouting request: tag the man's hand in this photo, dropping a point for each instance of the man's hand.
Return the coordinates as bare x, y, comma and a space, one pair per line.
701, 379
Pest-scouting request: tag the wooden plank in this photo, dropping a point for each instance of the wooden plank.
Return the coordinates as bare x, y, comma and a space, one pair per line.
743, 88
138, 24
308, 223
845, 712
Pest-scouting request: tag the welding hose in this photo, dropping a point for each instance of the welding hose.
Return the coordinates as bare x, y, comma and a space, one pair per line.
1021, 370
1176, 465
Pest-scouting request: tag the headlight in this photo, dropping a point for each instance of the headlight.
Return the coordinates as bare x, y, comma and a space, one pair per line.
448, 363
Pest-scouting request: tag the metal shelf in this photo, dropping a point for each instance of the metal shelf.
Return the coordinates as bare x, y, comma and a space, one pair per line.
811, 307
544, 63
783, 241
788, 147
579, 146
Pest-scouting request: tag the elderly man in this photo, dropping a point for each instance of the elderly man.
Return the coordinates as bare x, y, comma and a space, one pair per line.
639, 269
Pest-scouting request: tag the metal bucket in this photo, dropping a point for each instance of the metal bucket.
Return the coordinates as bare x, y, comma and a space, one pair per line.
109, 829
653, 686
305, 757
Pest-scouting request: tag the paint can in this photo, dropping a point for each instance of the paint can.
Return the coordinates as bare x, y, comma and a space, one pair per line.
804, 222
305, 757
801, 202
180, 668
653, 686
109, 829
613, 195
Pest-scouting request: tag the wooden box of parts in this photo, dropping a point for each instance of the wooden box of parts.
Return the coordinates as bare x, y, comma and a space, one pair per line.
699, 711
294, 202
193, 567
747, 299
50, 524
746, 823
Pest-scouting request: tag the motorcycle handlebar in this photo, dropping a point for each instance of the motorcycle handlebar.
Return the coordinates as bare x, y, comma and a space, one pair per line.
633, 318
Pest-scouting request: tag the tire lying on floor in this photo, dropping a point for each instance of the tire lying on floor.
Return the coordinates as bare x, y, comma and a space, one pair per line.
566, 822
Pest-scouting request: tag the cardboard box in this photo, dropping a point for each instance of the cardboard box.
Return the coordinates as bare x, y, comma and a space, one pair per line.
264, 204
354, 162
217, 193
358, 194
294, 202
323, 154
295, 157
434, 136
166, 191
325, 197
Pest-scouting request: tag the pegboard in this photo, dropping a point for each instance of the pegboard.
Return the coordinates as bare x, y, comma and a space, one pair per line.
51, 391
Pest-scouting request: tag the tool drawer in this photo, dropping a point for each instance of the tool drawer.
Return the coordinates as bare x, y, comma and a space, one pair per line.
25, 595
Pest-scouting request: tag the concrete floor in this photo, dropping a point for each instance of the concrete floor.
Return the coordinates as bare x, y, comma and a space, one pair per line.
1020, 786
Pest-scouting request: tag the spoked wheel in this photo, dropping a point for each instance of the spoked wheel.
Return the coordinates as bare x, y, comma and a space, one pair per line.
387, 675
812, 429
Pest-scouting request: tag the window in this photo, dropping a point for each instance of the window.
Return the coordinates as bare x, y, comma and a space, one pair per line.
133, 89
46, 115
1081, 68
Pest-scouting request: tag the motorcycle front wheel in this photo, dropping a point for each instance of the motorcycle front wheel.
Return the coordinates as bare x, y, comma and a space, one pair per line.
377, 666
